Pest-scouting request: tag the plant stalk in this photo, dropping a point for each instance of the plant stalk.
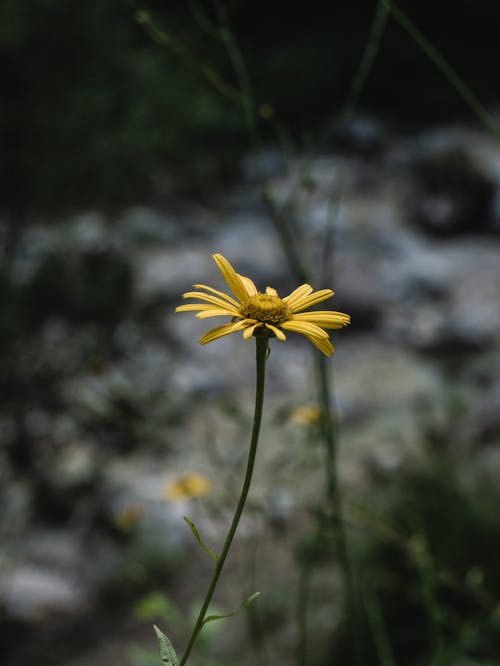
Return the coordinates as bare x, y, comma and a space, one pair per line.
261, 355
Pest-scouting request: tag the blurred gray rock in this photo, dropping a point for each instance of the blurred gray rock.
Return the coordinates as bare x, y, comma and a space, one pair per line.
456, 193
170, 271
360, 135
263, 164
143, 226
249, 242
34, 592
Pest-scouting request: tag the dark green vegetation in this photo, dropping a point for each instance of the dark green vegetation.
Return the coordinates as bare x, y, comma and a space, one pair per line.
428, 570
93, 111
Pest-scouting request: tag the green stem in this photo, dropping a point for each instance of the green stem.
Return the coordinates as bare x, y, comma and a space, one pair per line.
304, 591
334, 496
241, 71
368, 58
329, 433
261, 355
445, 68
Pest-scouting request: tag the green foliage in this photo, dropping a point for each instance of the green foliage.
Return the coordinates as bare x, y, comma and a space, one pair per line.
157, 605
96, 111
222, 616
167, 652
93, 106
429, 572
200, 543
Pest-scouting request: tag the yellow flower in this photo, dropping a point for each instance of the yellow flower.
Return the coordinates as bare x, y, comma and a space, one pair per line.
306, 414
252, 311
128, 517
187, 486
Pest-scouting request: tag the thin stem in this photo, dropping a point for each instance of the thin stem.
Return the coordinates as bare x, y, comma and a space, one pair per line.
379, 630
261, 354
241, 71
254, 618
334, 497
445, 68
183, 52
329, 433
368, 58
303, 599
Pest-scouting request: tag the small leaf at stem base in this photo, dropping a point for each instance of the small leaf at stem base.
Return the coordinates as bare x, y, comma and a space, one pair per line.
167, 652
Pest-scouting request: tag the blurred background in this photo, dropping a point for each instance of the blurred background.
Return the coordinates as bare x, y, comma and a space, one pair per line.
137, 140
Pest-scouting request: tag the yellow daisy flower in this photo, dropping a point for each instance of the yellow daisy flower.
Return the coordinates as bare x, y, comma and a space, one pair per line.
254, 312
186, 487
128, 517
306, 414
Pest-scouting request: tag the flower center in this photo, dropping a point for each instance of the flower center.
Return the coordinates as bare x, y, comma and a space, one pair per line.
266, 308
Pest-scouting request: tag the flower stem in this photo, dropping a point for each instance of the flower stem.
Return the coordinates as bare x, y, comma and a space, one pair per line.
334, 499
261, 355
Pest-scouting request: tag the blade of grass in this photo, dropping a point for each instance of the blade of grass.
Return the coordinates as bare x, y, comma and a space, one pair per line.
444, 67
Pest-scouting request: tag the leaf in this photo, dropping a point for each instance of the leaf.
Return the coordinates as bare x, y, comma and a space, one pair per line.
200, 543
167, 652
246, 603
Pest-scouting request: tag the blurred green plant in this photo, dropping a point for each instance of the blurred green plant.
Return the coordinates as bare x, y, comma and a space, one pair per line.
429, 570
94, 113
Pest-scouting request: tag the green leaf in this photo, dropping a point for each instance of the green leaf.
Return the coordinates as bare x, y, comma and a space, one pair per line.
167, 652
199, 541
247, 602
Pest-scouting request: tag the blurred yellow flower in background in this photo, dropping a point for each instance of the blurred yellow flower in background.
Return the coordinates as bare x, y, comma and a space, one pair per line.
126, 519
306, 414
186, 486
266, 111
252, 311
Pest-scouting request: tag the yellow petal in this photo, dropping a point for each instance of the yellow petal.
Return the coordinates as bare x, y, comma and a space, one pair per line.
324, 318
307, 301
216, 292
187, 486
231, 277
248, 331
271, 291
214, 312
277, 332
304, 327
323, 345
210, 299
192, 307
249, 286
219, 332
298, 293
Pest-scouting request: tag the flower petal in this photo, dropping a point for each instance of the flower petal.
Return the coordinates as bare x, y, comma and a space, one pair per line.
298, 293
191, 307
211, 299
304, 327
250, 287
271, 292
277, 332
219, 332
216, 292
307, 301
213, 312
323, 345
248, 331
324, 318
233, 280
